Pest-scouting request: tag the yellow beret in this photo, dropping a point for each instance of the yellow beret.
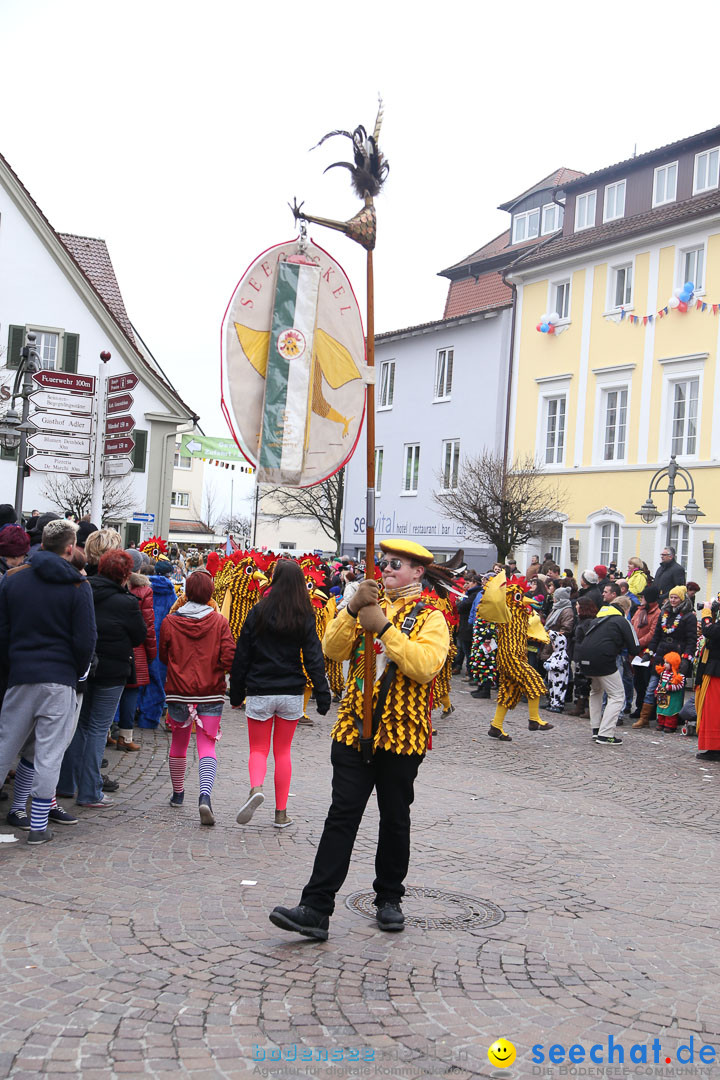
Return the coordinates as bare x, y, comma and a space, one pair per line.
409, 548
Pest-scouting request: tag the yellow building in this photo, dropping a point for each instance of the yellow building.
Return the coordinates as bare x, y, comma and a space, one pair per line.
626, 377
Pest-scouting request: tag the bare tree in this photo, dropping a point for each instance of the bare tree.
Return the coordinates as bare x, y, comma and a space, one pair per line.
322, 502
238, 525
506, 508
75, 494
209, 513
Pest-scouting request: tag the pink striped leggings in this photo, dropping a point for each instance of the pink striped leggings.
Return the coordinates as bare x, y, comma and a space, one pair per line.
259, 734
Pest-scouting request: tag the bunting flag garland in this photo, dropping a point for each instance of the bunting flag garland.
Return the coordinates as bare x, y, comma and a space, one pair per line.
663, 312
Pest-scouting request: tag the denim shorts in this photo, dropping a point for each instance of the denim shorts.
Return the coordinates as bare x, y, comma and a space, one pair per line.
265, 706
179, 711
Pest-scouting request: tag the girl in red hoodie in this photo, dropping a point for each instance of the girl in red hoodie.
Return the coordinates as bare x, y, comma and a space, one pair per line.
198, 648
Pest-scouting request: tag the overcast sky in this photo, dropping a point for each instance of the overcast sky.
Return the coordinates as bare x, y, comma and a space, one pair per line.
179, 131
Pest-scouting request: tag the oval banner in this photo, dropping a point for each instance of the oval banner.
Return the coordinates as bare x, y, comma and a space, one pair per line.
294, 365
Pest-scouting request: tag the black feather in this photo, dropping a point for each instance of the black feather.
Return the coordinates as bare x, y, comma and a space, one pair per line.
370, 169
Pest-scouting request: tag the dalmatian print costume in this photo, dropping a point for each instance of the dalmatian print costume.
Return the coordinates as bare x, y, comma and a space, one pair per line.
558, 669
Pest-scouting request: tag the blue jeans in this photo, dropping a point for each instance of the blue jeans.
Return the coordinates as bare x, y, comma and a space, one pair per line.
125, 715
81, 765
649, 698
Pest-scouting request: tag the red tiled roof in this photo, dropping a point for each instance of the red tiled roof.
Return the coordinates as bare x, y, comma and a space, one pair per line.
188, 526
469, 295
498, 246
671, 214
557, 179
94, 258
711, 135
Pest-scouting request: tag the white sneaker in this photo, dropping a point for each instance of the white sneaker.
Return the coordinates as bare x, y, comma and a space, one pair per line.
249, 807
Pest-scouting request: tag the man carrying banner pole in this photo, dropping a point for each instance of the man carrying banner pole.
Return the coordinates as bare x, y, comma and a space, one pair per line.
383, 726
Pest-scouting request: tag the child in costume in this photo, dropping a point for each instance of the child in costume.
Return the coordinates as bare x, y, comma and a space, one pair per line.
504, 601
669, 692
558, 668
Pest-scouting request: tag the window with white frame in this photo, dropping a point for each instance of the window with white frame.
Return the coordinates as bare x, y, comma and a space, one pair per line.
180, 498
412, 468
443, 374
692, 267
684, 435
182, 461
614, 201
379, 454
706, 170
526, 226
621, 279
609, 542
680, 540
450, 464
47, 345
552, 218
555, 410
615, 403
665, 184
387, 384
561, 299
585, 210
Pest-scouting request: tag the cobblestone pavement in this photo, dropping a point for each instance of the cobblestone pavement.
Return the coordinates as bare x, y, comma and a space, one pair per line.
138, 942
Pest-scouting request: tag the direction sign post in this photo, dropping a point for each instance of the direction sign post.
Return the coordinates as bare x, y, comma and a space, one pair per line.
117, 466
65, 380
126, 381
119, 404
62, 422
74, 466
124, 445
76, 404
119, 425
60, 444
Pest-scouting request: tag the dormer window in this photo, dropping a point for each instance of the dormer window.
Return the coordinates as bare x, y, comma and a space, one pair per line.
552, 217
706, 170
665, 184
614, 201
585, 210
526, 226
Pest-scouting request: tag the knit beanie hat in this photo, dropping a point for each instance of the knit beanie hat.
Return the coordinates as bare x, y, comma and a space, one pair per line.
590, 576
680, 591
7, 514
601, 571
14, 541
650, 595
84, 530
137, 557
163, 568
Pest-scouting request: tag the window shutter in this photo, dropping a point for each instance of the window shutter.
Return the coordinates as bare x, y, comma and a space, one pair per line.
138, 454
16, 341
71, 349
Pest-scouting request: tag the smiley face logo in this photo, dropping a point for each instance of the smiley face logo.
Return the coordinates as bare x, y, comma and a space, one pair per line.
501, 1054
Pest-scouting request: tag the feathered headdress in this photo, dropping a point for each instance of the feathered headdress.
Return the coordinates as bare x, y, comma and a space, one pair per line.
369, 169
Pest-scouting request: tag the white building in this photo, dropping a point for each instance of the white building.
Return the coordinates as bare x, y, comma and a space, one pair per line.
64, 289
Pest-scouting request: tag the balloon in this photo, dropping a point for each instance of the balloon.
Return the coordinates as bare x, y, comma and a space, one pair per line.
551, 329
544, 328
554, 318
684, 297
673, 302
689, 286
544, 318
539, 327
678, 291
682, 306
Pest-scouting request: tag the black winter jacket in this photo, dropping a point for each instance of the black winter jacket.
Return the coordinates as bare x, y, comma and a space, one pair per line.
120, 627
667, 577
464, 607
678, 634
271, 663
605, 638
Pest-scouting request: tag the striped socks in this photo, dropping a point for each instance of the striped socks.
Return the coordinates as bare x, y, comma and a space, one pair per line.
39, 814
208, 769
177, 773
23, 785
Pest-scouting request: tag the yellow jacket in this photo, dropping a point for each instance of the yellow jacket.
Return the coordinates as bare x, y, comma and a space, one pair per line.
637, 582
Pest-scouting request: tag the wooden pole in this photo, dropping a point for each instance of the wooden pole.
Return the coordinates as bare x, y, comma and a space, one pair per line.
369, 679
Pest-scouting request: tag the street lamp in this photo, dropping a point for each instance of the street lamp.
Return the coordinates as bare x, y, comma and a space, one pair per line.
679, 480
14, 429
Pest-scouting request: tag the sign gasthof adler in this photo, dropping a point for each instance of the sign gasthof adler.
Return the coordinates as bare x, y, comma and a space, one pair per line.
65, 380
294, 349
72, 425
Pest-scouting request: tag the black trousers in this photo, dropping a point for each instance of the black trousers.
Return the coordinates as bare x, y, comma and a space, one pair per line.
392, 776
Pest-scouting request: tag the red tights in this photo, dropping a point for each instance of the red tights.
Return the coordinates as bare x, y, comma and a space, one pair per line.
259, 734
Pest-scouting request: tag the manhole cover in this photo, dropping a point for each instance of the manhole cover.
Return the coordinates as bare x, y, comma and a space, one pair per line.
433, 909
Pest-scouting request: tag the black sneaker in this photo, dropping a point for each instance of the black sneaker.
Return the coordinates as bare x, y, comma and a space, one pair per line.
595, 731
108, 784
481, 692
104, 763
608, 740
18, 819
390, 917
178, 797
39, 836
206, 812
62, 817
302, 920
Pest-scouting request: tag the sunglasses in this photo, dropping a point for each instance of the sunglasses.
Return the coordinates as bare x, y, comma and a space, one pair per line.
394, 564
